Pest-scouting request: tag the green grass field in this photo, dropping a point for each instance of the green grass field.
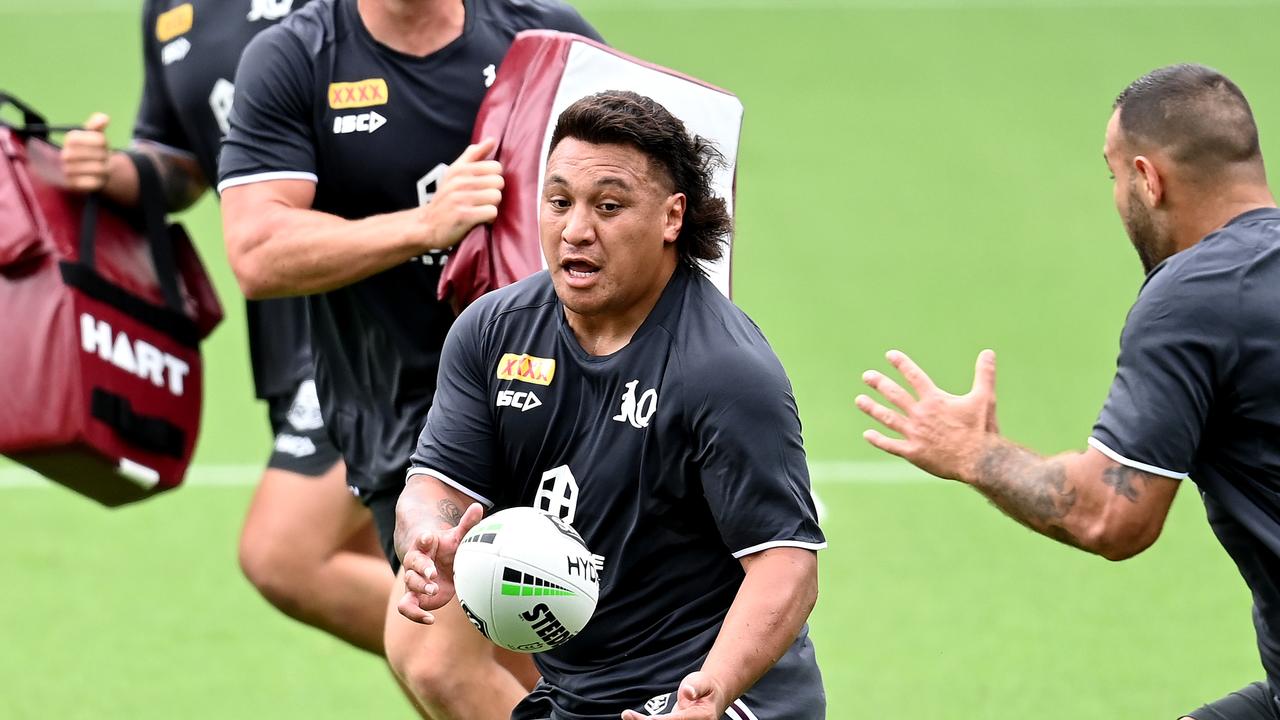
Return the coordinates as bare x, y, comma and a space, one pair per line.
924, 175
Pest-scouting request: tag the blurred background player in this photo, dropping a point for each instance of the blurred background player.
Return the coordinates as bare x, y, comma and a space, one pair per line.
307, 545
666, 433
1197, 388
346, 176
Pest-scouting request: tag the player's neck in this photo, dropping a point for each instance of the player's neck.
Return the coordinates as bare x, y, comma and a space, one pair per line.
609, 331
413, 27
1213, 213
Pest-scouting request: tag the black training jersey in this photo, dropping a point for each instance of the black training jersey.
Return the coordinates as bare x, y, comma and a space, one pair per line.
190, 51
318, 98
1197, 393
672, 457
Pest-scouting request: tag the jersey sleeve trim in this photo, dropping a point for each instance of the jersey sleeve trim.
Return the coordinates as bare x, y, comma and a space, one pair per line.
266, 176
815, 546
486, 502
1101, 447
140, 141
738, 710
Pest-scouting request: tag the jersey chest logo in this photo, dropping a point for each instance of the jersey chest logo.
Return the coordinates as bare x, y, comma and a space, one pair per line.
521, 400
637, 411
358, 94
526, 368
268, 9
177, 21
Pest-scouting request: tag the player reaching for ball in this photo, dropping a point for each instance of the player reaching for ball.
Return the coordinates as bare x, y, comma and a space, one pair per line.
623, 393
1196, 393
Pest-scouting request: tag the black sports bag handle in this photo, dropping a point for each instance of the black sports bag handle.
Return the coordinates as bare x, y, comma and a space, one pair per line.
33, 123
154, 225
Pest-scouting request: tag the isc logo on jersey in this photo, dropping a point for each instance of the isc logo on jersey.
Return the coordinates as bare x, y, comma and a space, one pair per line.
364, 122
358, 94
519, 399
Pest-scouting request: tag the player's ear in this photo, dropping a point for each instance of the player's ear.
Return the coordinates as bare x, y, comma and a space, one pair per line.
1150, 184
673, 216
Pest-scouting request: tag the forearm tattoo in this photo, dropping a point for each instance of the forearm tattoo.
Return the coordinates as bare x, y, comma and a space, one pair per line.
1028, 488
1121, 479
179, 180
413, 515
448, 513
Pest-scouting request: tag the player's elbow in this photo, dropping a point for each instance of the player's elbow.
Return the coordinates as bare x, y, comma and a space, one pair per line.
809, 593
250, 225
250, 275
1120, 538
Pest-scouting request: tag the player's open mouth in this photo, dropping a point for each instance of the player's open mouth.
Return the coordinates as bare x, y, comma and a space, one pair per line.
579, 269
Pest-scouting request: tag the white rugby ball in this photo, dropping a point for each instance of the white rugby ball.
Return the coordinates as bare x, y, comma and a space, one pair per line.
526, 580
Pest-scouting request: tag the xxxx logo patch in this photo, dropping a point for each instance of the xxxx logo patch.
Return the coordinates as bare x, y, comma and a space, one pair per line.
527, 368
172, 23
358, 94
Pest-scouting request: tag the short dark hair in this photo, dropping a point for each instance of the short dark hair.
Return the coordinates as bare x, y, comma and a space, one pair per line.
1195, 113
621, 117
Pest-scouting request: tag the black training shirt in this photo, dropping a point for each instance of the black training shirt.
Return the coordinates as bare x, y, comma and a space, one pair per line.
672, 457
319, 99
1197, 393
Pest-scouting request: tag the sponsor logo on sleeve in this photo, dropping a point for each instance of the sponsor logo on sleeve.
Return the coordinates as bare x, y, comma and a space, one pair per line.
358, 94
172, 23
527, 368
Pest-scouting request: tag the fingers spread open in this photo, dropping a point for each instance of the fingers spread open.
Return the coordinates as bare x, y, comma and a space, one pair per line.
984, 373
891, 390
887, 444
882, 414
918, 378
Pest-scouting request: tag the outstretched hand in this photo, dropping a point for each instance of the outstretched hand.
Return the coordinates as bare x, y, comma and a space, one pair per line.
699, 698
942, 434
428, 568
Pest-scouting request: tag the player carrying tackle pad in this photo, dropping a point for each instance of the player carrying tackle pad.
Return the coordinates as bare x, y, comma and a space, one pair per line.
664, 429
346, 176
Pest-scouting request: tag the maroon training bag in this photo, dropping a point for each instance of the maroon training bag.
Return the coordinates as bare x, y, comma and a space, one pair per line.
100, 323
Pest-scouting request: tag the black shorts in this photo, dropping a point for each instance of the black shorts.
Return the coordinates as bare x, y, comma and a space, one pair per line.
382, 503
791, 690
302, 445
1253, 702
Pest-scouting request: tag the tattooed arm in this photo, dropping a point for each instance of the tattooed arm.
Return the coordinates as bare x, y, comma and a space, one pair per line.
430, 523
1083, 499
